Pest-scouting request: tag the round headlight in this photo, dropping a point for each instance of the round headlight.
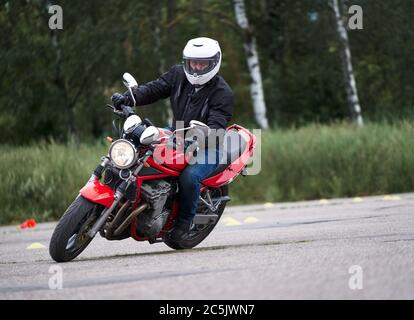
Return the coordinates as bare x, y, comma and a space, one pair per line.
122, 154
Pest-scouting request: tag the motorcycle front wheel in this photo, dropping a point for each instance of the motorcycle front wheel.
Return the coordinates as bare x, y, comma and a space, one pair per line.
70, 236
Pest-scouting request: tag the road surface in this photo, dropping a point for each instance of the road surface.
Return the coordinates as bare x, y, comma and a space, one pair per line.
361, 248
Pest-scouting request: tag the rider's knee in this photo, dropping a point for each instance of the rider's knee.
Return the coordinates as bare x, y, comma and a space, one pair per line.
190, 176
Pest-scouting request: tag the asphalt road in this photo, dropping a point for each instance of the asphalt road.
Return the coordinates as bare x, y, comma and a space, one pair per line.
336, 249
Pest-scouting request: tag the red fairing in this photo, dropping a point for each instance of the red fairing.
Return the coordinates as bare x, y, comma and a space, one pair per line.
168, 158
234, 169
151, 162
97, 192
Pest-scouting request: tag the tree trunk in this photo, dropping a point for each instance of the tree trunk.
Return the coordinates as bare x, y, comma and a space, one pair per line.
171, 15
159, 39
252, 57
351, 89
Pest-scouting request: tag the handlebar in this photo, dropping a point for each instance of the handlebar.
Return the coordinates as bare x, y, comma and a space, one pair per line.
184, 143
124, 112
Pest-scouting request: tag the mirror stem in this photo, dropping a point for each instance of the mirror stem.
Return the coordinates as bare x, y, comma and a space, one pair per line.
132, 95
182, 129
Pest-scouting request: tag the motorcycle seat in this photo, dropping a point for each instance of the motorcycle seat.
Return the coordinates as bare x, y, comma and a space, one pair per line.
233, 146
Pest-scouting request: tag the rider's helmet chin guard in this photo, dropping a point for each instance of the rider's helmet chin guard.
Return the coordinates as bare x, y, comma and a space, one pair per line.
204, 51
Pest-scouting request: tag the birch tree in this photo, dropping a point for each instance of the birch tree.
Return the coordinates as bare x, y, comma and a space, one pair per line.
171, 16
252, 57
159, 39
349, 78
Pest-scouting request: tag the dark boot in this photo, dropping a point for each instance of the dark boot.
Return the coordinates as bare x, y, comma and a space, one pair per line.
180, 231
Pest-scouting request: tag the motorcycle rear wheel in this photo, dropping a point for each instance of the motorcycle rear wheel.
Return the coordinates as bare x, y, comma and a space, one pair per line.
70, 237
198, 234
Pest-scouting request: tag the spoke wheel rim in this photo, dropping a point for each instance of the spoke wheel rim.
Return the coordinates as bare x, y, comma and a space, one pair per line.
80, 237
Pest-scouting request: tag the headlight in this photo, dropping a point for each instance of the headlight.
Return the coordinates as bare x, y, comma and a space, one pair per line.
122, 154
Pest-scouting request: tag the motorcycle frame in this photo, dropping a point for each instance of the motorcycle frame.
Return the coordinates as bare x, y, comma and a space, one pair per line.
97, 192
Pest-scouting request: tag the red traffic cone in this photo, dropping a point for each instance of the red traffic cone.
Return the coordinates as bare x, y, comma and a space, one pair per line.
29, 223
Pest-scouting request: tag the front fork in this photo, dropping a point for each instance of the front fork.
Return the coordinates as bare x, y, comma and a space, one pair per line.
120, 191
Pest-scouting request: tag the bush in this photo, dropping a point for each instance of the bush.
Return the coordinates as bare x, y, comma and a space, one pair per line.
312, 162
331, 161
41, 181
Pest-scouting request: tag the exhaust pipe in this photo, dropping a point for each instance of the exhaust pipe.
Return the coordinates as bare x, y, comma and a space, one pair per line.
127, 221
120, 214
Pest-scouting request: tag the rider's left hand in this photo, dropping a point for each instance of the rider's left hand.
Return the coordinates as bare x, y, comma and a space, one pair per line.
118, 99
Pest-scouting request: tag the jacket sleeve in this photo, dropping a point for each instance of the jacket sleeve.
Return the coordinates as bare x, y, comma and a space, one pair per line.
220, 111
153, 91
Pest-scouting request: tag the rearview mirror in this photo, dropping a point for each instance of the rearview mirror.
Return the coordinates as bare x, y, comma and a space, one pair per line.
129, 81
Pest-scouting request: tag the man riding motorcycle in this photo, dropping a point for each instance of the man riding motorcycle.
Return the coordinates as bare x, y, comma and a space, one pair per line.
197, 92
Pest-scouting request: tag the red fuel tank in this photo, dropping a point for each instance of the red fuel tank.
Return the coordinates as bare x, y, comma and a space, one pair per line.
168, 157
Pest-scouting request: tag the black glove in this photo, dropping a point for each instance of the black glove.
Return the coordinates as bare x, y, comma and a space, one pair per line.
117, 100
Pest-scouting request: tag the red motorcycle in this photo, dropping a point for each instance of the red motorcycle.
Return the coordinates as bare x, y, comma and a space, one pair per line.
134, 191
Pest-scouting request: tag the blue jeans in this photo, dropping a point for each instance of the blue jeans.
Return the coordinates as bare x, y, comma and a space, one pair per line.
190, 183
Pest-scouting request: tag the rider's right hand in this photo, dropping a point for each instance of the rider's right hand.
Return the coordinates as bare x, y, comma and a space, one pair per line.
118, 99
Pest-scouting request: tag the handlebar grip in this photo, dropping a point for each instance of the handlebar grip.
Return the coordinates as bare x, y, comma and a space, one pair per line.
126, 110
121, 111
122, 107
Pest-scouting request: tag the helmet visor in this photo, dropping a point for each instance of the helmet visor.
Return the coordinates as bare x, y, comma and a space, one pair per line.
200, 66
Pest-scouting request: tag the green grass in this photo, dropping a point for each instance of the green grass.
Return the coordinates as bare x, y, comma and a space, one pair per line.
41, 181
297, 164
331, 161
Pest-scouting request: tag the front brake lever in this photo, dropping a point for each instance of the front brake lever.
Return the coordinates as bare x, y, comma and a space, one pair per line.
116, 111
119, 113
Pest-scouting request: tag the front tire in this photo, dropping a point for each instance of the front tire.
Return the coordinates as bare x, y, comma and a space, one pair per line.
199, 234
70, 237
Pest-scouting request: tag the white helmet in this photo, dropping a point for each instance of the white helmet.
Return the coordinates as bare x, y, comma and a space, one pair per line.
202, 60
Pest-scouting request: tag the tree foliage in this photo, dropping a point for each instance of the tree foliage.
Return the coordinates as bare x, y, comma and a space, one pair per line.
55, 84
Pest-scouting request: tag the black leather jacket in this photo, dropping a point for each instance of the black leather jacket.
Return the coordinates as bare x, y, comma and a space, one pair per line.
212, 104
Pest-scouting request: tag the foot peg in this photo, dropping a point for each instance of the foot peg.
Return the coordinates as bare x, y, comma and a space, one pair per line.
222, 199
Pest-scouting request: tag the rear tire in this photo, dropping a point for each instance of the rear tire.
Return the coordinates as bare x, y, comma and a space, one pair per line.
197, 236
70, 237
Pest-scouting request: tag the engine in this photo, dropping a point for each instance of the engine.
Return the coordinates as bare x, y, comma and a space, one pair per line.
152, 220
